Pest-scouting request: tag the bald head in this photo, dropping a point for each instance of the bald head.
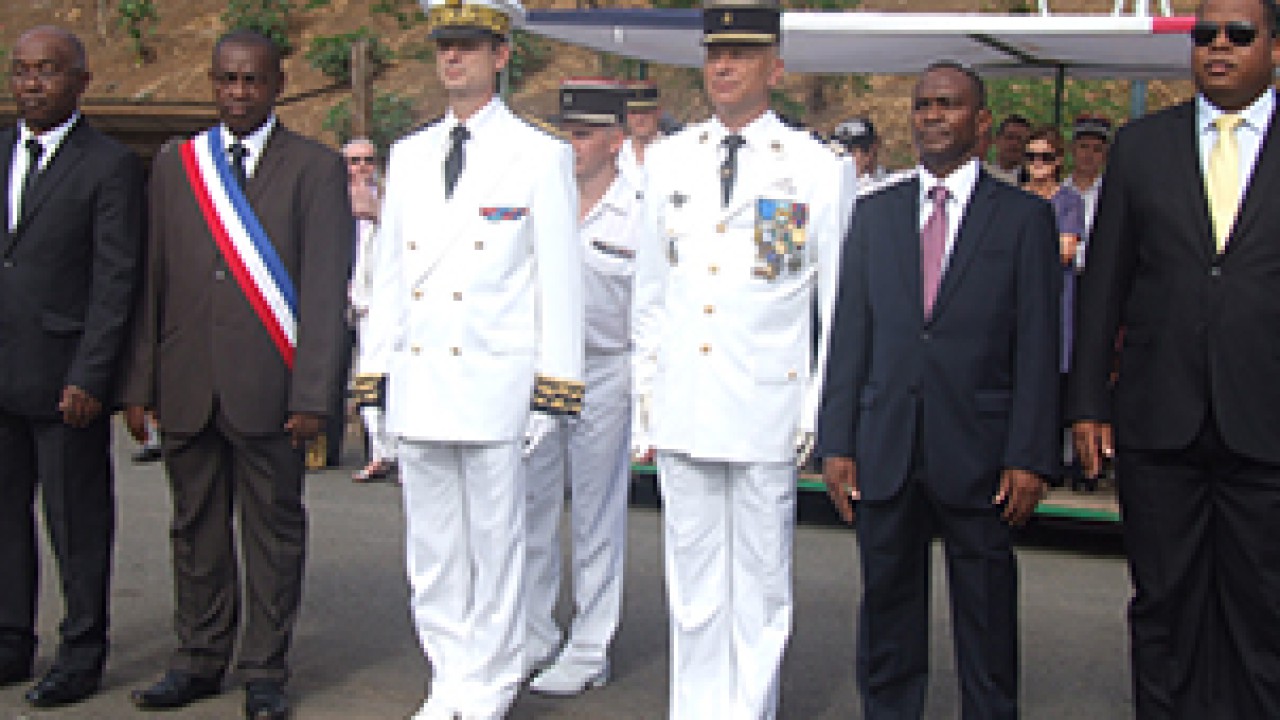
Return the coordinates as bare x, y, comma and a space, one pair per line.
362, 160
79, 60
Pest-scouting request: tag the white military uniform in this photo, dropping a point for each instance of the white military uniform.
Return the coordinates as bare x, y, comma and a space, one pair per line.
589, 456
629, 166
723, 368
473, 296
381, 444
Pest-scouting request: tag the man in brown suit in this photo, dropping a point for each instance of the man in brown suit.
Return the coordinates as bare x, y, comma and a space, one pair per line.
235, 399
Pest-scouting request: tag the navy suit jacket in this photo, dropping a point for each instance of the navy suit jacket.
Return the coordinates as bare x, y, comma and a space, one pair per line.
978, 382
68, 272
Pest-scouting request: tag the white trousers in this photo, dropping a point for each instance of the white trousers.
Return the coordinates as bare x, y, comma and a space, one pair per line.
382, 445
727, 533
464, 513
589, 458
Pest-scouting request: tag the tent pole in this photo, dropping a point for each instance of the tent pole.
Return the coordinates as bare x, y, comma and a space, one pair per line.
1059, 93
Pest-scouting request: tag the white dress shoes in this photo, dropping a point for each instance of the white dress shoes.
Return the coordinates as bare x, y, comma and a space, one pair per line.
566, 679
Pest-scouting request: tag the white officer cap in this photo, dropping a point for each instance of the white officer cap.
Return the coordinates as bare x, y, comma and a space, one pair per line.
461, 19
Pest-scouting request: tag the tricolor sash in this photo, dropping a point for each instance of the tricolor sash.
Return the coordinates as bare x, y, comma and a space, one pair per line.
244, 245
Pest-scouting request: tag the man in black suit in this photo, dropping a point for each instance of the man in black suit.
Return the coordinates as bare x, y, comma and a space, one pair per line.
940, 409
1185, 257
73, 222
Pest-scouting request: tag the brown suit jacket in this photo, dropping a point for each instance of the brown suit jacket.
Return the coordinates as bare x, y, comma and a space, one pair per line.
196, 337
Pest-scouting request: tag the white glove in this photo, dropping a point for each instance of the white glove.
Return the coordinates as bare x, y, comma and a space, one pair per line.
539, 425
805, 440
640, 443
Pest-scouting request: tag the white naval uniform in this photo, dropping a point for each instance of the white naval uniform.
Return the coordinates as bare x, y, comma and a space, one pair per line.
723, 366
589, 456
472, 296
629, 166
382, 445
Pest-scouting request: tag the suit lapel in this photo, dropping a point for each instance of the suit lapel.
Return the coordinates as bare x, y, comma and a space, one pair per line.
273, 154
8, 139
906, 218
972, 232
1261, 191
67, 156
1184, 157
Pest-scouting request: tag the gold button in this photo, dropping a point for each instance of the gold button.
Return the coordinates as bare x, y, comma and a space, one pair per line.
455, 351
714, 269
791, 375
708, 309
704, 349
720, 228
479, 244
457, 296
415, 350
413, 245
417, 294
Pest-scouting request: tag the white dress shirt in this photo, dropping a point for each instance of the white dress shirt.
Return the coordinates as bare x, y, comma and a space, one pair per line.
960, 185
50, 141
255, 142
1249, 134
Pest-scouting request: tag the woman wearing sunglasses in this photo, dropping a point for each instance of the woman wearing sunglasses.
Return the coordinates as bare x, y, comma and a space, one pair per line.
1043, 165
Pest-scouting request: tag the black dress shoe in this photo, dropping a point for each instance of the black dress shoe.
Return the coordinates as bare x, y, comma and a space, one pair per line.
176, 689
147, 455
62, 687
265, 700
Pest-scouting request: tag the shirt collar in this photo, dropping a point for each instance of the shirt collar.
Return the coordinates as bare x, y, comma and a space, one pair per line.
484, 116
757, 132
959, 183
1257, 114
50, 139
615, 198
256, 141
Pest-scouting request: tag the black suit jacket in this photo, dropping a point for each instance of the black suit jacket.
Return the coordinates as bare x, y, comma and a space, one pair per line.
978, 381
68, 272
1201, 330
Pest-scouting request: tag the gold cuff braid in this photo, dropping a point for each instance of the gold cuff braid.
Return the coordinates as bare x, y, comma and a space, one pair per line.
557, 397
369, 389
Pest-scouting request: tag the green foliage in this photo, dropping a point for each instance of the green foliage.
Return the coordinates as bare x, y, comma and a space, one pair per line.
420, 51
784, 104
1033, 98
407, 13
138, 19
529, 54
331, 54
269, 17
393, 116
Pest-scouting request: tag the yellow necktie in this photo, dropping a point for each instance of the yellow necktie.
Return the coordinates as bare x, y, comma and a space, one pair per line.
1223, 179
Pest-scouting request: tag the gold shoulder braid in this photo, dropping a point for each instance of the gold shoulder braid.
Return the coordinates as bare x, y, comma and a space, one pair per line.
369, 389
557, 397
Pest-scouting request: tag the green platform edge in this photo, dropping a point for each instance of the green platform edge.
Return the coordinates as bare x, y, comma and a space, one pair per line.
1046, 509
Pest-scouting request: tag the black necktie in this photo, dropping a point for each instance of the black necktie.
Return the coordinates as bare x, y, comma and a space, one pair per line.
729, 170
238, 153
34, 151
453, 161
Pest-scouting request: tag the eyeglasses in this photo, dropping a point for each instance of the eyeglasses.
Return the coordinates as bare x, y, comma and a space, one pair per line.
1047, 157
361, 160
43, 73
1239, 32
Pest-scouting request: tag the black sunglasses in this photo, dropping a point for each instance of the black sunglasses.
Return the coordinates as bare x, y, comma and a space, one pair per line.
358, 159
1042, 157
1239, 32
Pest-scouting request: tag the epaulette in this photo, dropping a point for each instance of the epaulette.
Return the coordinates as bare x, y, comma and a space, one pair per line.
538, 123
433, 121
884, 183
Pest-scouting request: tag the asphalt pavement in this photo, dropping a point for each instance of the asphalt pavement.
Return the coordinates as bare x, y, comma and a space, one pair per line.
355, 655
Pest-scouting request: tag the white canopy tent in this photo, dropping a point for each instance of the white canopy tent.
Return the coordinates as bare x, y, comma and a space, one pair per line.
1082, 46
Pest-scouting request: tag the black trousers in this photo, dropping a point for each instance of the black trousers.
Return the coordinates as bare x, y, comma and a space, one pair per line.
72, 467
218, 475
1202, 531
894, 542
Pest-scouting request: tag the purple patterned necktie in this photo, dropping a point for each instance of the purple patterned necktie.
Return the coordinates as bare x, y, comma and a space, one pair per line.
933, 246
